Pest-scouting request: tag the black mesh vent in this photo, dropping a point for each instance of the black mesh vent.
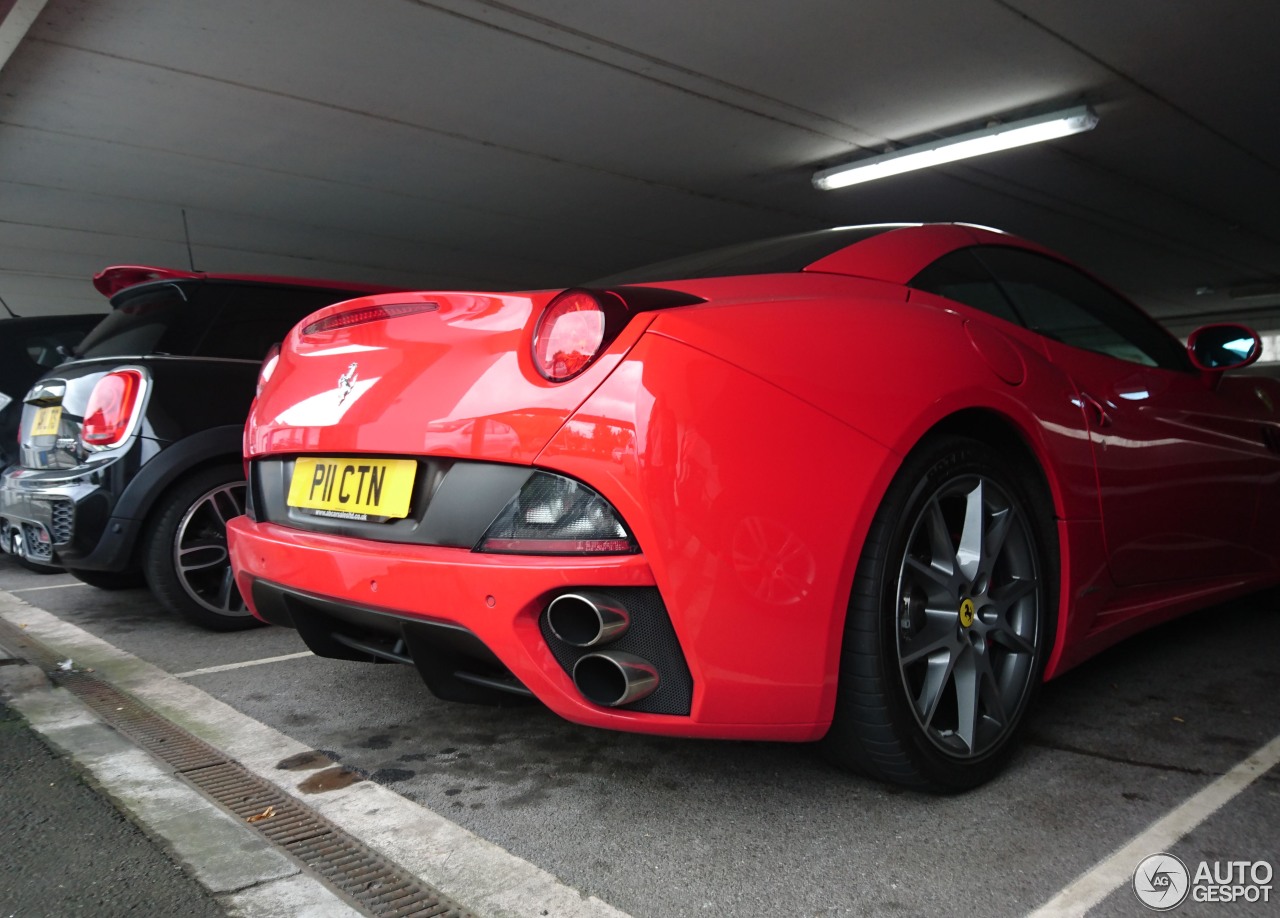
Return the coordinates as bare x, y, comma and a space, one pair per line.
64, 516
650, 637
36, 549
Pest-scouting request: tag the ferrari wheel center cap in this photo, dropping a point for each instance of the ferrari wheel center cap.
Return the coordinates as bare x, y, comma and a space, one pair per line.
966, 613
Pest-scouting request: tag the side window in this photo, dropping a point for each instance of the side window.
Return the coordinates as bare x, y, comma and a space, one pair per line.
961, 277
1059, 302
254, 318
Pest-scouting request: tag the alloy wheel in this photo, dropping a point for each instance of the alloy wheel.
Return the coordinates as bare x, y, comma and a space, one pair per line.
200, 555
969, 615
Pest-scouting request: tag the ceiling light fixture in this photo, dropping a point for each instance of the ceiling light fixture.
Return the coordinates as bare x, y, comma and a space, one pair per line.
948, 150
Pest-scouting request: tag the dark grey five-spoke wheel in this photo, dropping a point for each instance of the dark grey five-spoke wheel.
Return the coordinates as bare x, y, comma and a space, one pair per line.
186, 559
949, 621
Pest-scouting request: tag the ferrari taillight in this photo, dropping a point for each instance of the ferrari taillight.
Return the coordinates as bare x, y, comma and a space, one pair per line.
555, 515
573, 330
109, 418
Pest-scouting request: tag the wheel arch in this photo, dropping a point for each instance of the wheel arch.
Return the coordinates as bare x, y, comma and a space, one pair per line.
191, 455
1001, 432
215, 446
1028, 454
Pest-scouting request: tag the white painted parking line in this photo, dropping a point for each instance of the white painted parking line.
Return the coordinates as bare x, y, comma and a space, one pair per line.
54, 586
1102, 879
226, 667
482, 876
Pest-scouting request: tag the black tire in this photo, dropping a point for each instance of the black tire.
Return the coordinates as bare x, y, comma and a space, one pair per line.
950, 620
184, 554
110, 580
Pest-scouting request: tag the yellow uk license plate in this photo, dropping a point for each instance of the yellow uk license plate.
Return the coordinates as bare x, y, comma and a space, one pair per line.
353, 488
46, 421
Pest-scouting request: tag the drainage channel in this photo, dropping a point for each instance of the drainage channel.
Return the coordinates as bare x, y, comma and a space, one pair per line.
375, 884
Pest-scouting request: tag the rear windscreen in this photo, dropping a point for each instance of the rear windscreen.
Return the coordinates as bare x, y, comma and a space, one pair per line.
204, 319
777, 255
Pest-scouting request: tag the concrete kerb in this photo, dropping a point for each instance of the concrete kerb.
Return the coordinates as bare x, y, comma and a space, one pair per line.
487, 879
248, 876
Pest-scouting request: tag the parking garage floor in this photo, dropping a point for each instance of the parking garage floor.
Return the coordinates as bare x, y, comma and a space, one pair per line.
1166, 744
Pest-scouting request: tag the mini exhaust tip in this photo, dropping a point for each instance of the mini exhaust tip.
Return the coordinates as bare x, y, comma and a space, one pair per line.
586, 619
613, 679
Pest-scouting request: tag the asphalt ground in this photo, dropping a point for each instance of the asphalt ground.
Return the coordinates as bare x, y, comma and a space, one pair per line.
68, 851
1167, 743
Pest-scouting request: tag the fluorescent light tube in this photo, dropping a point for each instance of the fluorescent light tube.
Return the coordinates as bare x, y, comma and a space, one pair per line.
974, 143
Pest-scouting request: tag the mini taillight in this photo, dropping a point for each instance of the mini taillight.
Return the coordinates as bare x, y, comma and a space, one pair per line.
268, 368
109, 418
366, 314
573, 330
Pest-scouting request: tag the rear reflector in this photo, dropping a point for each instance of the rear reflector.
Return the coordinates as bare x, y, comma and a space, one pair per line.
367, 314
108, 420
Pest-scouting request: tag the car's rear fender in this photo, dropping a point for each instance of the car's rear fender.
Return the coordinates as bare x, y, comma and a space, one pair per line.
894, 369
747, 504
664, 439
205, 447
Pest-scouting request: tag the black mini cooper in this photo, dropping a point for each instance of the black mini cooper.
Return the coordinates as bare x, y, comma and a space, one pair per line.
130, 453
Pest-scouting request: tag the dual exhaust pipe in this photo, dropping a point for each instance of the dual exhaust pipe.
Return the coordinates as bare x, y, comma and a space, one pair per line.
610, 678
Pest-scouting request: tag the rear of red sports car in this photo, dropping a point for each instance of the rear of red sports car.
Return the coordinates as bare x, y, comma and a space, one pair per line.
644, 503
583, 496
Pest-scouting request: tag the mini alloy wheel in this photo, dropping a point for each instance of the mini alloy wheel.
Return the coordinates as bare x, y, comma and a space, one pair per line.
186, 559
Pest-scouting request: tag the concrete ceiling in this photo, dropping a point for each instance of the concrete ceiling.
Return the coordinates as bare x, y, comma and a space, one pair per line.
532, 143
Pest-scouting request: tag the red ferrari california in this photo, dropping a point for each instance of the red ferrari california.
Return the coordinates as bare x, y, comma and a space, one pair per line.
869, 485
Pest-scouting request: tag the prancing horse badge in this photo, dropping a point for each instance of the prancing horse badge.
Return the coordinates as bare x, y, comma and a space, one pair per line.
346, 382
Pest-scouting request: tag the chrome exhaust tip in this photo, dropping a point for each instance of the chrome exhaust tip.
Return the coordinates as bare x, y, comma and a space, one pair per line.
613, 679
586, 619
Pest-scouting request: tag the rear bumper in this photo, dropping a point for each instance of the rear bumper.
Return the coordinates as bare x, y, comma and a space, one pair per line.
485, 608
38, 511
64, 517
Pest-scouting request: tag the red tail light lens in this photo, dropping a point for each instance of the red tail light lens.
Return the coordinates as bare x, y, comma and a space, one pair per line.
109, 418
573, 330
367, 314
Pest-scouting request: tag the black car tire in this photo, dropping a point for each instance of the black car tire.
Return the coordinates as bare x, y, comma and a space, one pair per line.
950, 620
110, 580
184, 553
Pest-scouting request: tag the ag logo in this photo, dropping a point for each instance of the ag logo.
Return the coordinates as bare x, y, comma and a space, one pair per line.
1161, 882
